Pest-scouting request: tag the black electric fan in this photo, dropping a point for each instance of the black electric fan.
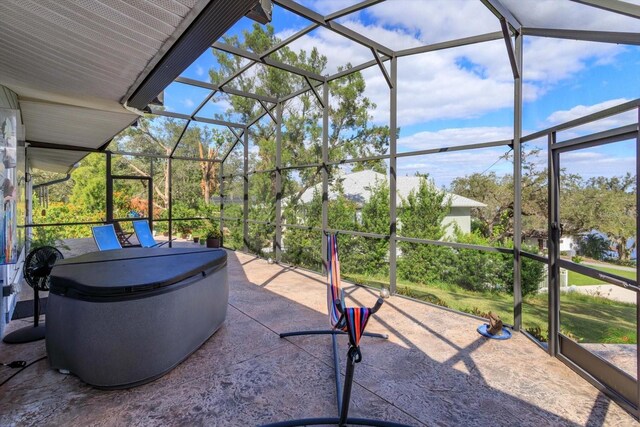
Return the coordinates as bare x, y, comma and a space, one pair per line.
37, 268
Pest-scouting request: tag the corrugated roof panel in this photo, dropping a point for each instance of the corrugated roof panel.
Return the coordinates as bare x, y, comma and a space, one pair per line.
210, 24
81, 47
72, 62
132, 19
54, 160
163, 11
71, 125
172, 6
8, 98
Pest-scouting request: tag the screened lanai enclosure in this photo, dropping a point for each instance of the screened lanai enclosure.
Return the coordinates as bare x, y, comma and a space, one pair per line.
478, 155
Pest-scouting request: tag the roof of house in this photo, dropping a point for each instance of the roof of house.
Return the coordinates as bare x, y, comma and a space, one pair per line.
357, 187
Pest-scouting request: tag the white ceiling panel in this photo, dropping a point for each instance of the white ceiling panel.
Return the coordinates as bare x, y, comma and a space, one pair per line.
72, 62
60, 161
71, 125
95, 48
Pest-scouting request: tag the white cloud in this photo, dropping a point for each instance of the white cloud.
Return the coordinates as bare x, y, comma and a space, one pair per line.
435, 20
431, 86
612, 122
569, 15
547, 61
284, 33
188, 102
465, 82
445, 167
326, 7
338, 49
200, 70
453, 137
604, 161
607, 162
435, 86
396, 38
578, 111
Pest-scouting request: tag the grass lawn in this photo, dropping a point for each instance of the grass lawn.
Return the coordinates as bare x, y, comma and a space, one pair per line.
581, 280
585, 318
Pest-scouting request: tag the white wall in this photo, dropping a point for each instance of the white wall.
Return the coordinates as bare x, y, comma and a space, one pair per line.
460, 216
568, 244
13, 272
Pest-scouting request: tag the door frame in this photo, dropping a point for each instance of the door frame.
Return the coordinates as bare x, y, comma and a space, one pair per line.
600, 372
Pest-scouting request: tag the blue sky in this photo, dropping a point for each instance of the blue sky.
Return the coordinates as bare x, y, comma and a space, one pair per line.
465, 95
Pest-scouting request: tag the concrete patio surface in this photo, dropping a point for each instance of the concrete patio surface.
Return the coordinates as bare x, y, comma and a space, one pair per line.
434, 370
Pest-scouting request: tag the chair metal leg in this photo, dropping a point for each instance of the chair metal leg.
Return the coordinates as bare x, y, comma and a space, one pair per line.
320, 332
336, 368
334, 421
343, 391
330, 332
375, 335
346, 396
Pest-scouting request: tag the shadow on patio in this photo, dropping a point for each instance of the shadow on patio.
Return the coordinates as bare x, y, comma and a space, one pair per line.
434, 370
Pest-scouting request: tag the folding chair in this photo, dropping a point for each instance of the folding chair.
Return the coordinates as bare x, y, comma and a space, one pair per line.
123, 236
143, 233
344, 320
105, 237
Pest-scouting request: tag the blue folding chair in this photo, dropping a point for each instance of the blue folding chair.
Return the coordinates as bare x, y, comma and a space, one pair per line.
105, 237
143, 233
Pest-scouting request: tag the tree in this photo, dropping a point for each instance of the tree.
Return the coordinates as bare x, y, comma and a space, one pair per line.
89, 185
495, 221
604, 204
194, 181
351, 131
534, 197
595, 246
152, 135
421, 216
373, 253
424, 209
57, 192
492, 221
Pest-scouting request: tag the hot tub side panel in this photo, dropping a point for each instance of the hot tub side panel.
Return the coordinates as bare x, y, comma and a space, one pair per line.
123, 343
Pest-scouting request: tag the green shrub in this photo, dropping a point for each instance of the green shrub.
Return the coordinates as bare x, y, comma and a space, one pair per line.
531, 274
422, 263
479, 270
476, 312
423, 296
538, 333
594, 246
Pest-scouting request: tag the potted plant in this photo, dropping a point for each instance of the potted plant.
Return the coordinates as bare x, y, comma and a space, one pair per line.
213, 238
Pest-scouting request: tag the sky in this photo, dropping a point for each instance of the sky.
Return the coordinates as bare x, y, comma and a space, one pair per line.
465, 95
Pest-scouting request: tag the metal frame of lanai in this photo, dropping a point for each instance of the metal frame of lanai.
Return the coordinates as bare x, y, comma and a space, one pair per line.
621, 387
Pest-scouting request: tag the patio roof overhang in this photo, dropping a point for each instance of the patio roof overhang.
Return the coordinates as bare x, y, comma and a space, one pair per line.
83, 72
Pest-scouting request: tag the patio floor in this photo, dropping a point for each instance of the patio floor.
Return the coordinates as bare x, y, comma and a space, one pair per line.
434, 370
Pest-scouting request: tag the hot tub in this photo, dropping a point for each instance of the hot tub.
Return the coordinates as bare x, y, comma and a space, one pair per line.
121, 318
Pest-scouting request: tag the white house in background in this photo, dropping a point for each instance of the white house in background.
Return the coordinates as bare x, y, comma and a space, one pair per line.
357, 187
568, 244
